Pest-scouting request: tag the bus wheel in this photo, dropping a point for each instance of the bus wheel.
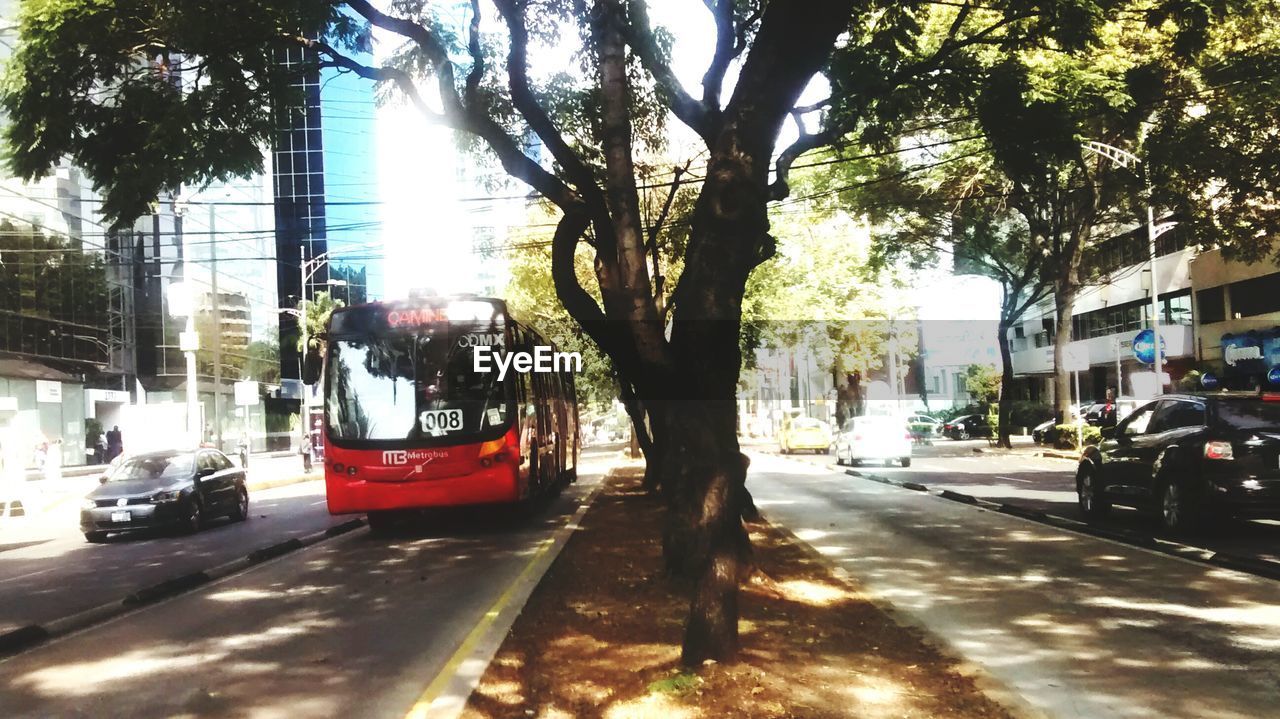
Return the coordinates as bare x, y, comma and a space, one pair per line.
382, 523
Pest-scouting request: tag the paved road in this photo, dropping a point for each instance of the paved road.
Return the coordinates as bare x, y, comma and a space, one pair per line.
53, 572
1079, 626
356, 626
1048, 484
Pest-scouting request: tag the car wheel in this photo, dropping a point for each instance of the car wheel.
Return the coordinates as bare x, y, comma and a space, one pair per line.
839, 458
195, 518
241, 511
962, 434
1092, 504
1175, 513
95, 537
905, 461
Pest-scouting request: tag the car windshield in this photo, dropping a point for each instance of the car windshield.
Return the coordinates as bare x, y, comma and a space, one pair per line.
806, 424
1250, 414
152, 466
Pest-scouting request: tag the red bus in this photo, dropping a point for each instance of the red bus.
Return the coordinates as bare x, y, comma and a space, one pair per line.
410, 424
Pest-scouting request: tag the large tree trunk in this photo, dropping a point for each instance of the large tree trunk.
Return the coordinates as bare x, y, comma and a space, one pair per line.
705, 539
1006, 383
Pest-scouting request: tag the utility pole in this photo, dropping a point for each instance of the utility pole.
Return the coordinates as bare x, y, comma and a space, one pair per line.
189, 342
217, 326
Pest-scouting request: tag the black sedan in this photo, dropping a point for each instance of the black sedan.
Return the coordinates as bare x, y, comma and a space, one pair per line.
165, 490
966, 426
1188, 458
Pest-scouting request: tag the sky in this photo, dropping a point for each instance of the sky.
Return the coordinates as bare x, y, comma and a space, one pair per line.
427, 211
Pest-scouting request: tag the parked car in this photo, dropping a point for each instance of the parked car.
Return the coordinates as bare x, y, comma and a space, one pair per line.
805, 433
1044, 432
966, 426
1096, 413
922, 426
1188, 458
880, 438
173, 489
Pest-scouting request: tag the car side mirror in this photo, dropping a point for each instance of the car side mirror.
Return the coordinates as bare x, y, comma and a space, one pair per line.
102, 479
1108, 432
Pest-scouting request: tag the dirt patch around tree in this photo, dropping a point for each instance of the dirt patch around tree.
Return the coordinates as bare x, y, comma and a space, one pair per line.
600, 637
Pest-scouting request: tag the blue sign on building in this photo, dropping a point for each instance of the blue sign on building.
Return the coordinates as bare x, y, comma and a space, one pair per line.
1274, 375
1209, 381
1144, 347
1243, 354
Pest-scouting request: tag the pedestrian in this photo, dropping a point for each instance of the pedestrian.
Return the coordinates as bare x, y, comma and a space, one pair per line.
115, 443
304, 448
244, 449
53, 461
317, 442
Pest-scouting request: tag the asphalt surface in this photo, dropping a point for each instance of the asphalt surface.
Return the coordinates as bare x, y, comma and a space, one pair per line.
54, 572
354, 626
1048, 484
1078, 626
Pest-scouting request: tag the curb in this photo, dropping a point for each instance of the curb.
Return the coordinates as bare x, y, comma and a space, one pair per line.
31, 635
447, 694
282, 482
1244, 564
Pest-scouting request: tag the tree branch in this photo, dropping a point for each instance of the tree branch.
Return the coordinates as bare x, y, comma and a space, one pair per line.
470, 119
639, 32
527, 104
726, 50
378, 74
807, 141
477, 56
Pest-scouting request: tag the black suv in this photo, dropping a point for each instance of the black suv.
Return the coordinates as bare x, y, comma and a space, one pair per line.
1189, 458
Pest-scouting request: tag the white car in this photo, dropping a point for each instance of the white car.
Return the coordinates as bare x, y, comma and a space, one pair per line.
866, 439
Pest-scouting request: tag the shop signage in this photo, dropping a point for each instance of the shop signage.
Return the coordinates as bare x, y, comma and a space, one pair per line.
49, 392
1144, 347
1209, 381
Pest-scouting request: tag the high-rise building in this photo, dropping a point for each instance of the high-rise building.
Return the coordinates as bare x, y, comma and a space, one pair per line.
325, 191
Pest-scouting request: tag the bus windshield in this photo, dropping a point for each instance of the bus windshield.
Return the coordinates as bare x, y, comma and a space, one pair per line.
415, 386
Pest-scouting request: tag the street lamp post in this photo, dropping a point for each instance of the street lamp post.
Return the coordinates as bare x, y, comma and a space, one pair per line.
182, 301
1129, 161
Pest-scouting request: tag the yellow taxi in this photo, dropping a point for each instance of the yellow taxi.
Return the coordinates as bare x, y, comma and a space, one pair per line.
805, 433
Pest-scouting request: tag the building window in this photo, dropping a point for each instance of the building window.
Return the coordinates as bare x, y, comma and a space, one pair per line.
1257, 296
1211, 304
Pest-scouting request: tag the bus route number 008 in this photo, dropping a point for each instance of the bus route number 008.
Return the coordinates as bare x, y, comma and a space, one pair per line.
440, 421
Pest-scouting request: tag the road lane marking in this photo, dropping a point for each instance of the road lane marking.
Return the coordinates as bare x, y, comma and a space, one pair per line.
1015, 479
435, 690
24, 576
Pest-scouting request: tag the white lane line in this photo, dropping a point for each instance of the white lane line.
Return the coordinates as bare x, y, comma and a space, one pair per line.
1015, 479
24, 576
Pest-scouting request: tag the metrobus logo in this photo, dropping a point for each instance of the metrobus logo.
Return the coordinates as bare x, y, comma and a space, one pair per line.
397, 457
